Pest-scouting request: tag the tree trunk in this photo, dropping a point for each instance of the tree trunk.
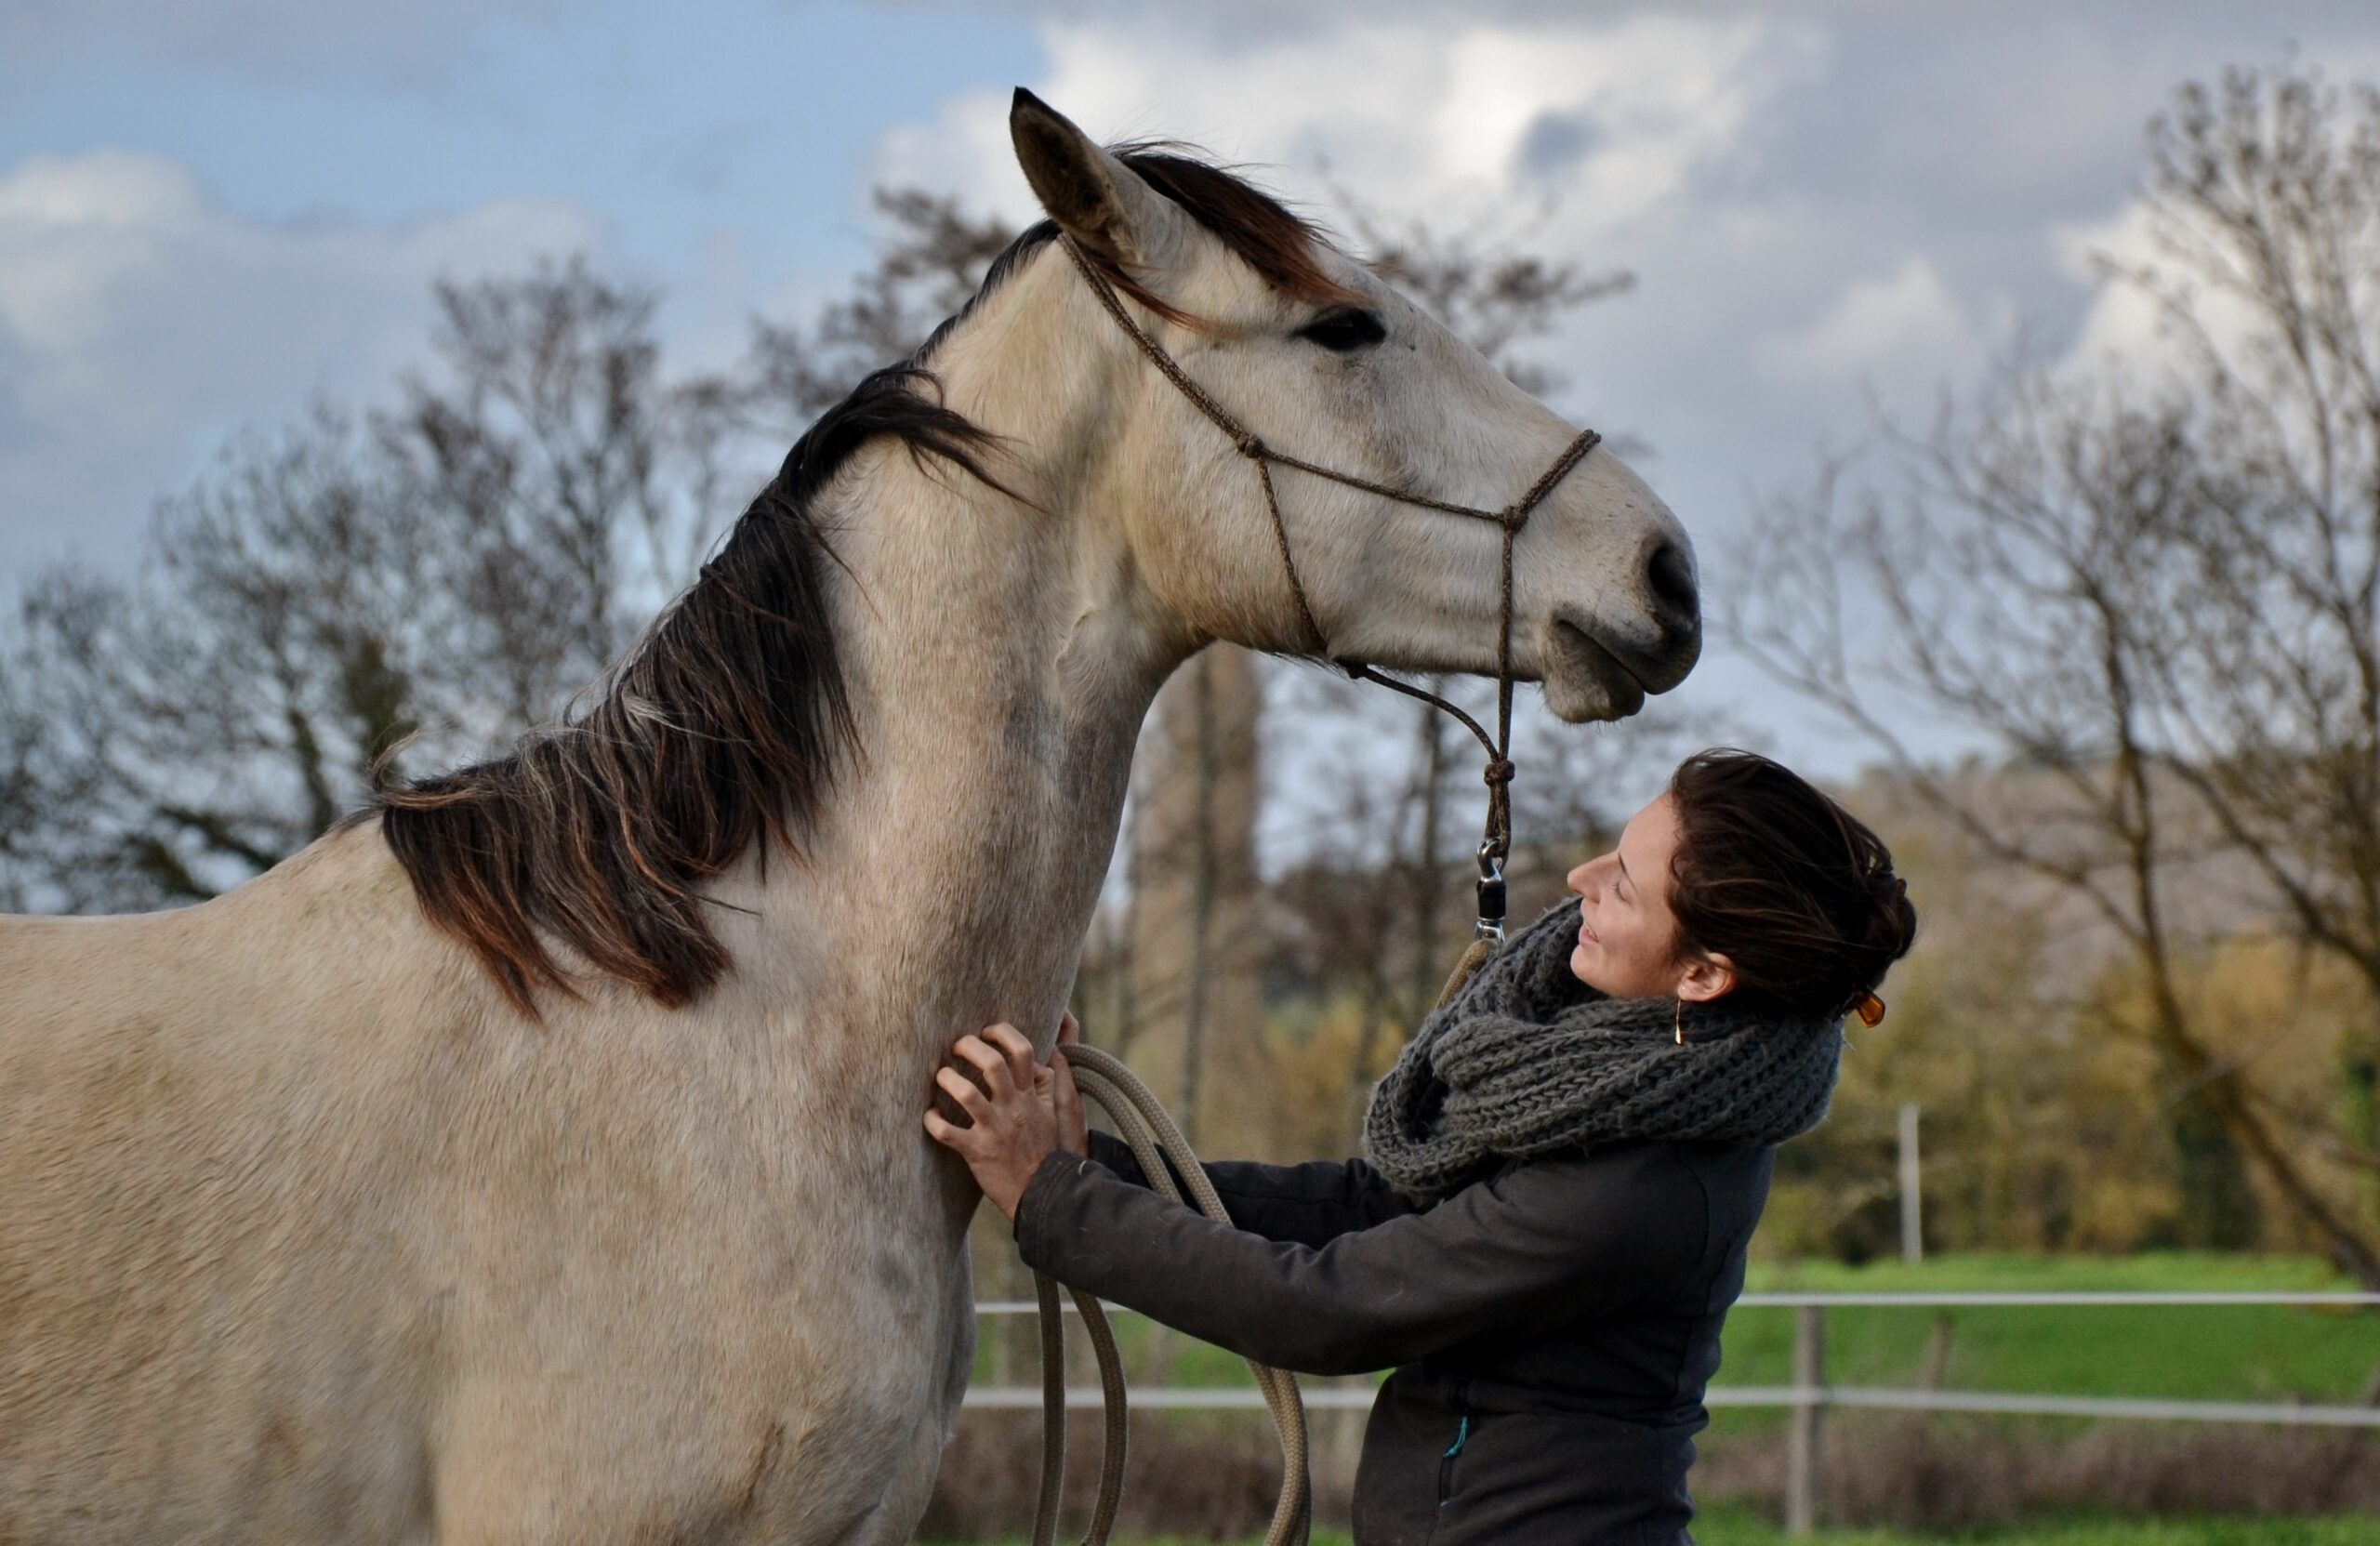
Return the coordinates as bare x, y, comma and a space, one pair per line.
1194, 943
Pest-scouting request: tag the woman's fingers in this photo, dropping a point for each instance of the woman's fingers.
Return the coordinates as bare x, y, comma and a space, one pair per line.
1019, 1051
990, 1062
964, 1092
1006, 1071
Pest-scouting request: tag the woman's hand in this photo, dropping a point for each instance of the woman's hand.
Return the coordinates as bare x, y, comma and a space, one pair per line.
1019, 1114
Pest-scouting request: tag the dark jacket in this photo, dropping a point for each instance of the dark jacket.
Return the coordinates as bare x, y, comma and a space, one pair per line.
1551, 1327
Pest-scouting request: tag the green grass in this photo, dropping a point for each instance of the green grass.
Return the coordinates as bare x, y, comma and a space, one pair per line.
2245, 1353
1736, 1527
2187, 1351
1725, 1527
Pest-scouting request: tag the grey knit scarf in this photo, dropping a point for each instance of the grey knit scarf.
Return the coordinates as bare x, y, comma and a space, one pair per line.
1528, 1060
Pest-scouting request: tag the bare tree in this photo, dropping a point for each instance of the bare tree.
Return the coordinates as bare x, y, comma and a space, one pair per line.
2157, 604
450, 571
192, 728
934, 258
1196, 911
2264, 205
446, 571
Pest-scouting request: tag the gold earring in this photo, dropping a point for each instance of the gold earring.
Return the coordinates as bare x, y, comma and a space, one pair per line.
1681, 1022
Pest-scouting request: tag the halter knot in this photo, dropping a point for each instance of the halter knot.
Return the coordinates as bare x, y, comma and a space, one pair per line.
1250, 446
1497, 774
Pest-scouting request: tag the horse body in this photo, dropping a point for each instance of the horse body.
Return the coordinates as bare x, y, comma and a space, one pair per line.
373, 1257
176, 1248
306, 1232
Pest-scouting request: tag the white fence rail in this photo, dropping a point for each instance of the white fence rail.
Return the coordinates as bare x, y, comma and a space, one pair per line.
1912, 1302
1809, 1395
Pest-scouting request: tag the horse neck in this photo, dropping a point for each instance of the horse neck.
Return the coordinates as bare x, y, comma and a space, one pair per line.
1000, 658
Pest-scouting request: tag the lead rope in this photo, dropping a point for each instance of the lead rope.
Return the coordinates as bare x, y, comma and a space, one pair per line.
1143, 1122
1146, 1128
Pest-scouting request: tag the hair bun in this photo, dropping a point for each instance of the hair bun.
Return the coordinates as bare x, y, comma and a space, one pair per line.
1892, 925
1796, 892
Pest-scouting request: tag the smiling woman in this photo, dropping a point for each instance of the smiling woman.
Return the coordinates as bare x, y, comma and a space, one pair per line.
1561, 1174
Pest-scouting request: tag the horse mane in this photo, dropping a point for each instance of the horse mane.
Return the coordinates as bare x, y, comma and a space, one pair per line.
724, 727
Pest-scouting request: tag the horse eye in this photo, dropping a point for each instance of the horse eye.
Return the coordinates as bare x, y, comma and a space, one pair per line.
1344, 331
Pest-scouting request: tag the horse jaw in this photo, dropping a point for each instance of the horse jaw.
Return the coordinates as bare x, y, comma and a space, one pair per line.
1585, 682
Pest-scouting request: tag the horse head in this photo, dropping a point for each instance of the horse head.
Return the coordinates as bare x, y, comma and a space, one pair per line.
1310, 351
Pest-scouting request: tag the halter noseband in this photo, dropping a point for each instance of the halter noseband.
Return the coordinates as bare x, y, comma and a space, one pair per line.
1496, 845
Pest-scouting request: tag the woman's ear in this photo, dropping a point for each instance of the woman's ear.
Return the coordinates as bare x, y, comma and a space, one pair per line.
1095, 198
1706, 977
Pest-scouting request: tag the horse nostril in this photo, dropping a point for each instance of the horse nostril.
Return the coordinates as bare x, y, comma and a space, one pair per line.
1671, 576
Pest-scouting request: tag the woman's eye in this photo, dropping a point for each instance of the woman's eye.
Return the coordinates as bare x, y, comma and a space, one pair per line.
1343, 331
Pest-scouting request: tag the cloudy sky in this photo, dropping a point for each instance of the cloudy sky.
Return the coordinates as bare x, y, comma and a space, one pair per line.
212, 210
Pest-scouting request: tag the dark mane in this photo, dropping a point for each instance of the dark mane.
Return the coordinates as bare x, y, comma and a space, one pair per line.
725, 727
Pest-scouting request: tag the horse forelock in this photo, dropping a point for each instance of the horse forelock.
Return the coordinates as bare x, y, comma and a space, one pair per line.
726, 726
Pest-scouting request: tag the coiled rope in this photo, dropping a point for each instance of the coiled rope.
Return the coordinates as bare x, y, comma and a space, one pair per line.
1143, 1122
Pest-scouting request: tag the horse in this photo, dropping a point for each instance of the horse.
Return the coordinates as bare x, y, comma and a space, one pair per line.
535, 1158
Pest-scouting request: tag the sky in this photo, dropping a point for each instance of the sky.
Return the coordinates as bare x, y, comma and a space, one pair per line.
214, 212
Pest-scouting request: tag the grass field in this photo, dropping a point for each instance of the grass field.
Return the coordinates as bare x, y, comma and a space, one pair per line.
1720, 1528
1724, 1527
2189, 1352
2254, 1352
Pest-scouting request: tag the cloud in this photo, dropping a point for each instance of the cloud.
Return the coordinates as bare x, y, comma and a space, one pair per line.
2120, 321
139, 321
1902, 322
1459, 116
2123, 329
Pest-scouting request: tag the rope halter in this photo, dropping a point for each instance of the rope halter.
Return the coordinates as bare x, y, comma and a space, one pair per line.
1496, 843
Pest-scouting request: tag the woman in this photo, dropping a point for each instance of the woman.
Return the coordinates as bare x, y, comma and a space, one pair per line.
1562, 1174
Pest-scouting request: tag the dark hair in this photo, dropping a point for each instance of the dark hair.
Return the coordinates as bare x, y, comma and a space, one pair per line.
1793, 890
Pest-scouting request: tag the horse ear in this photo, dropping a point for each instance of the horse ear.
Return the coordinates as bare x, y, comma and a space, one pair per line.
1095, 198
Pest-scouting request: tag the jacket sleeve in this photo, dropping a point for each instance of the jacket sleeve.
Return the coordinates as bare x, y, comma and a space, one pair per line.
1543, 1244
1309, 1204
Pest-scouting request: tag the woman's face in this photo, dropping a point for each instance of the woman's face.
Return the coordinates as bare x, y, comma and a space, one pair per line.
1627, 937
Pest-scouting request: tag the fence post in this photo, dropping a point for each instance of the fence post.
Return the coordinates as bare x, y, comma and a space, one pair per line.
1802, 1454
1912, 1233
